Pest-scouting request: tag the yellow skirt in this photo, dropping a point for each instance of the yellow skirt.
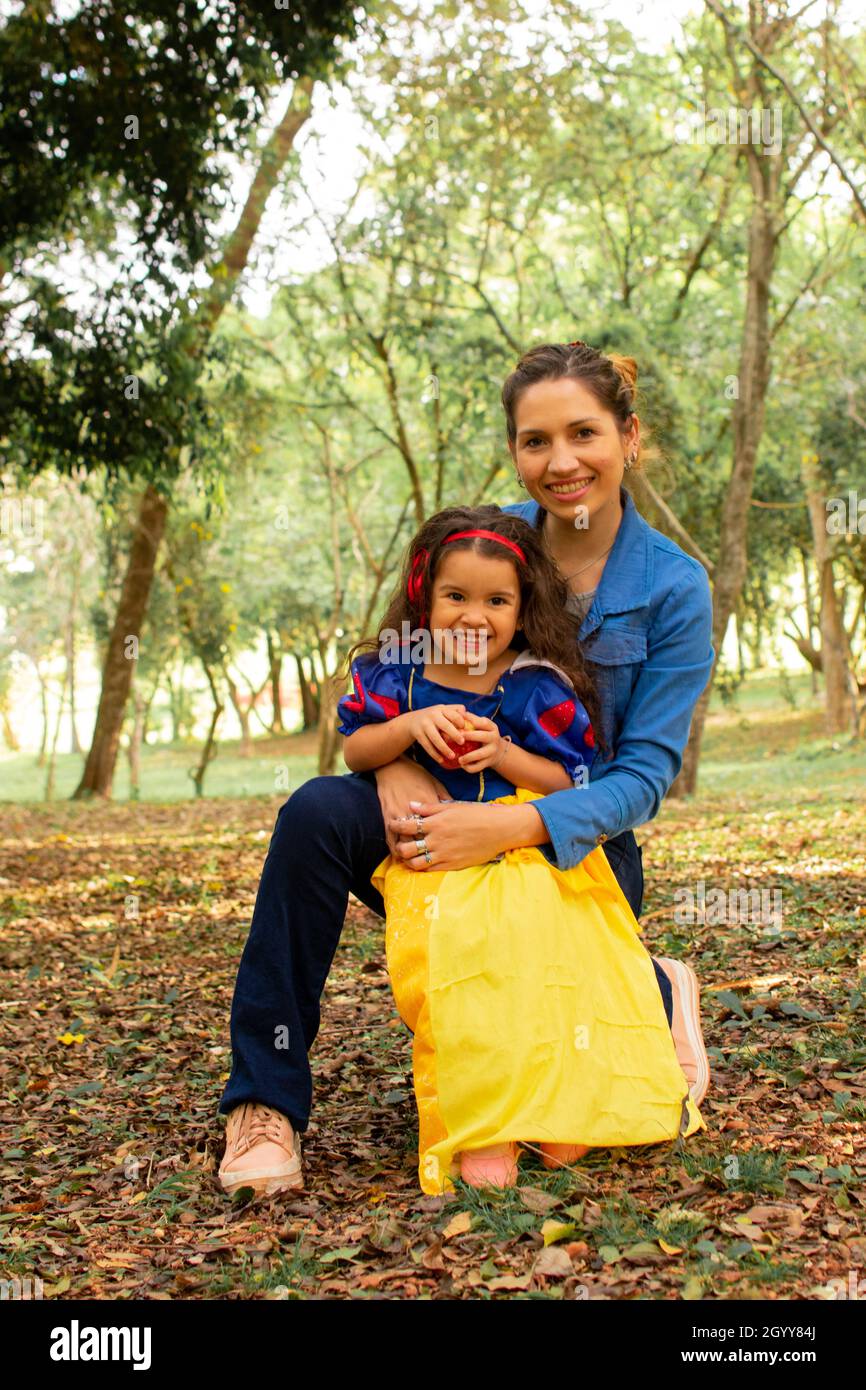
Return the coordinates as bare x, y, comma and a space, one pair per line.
534, 1006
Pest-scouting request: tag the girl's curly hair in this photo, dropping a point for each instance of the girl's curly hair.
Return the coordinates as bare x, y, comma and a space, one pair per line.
547, 628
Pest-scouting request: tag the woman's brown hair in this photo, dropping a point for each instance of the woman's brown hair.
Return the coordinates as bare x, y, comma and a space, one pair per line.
611, 377
549, 629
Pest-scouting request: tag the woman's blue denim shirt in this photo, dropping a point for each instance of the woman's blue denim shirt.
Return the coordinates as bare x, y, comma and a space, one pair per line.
648, 632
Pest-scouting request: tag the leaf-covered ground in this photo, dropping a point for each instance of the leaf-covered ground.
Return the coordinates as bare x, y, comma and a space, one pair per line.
121, 928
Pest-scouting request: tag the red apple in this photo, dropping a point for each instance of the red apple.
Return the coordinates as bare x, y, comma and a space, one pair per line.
457, 751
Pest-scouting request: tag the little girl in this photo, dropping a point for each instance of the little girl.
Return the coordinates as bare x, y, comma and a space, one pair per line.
534, 1006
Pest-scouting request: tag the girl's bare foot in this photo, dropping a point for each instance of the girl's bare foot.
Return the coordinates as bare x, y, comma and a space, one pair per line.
562, 1155
493, 1167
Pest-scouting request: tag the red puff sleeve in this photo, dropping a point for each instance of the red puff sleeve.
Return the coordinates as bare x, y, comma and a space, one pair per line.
556, 725
379, 694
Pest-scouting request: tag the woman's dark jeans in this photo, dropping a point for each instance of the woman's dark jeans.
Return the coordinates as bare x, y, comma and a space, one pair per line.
328, 839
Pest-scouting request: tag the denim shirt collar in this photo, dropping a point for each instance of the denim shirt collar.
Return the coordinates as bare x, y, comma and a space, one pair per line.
626, 581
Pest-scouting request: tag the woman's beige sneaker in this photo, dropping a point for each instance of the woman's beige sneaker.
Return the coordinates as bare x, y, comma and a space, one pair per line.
262, 1151
686, 1026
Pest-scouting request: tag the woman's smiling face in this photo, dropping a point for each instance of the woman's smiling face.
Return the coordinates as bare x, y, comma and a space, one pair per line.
569, 450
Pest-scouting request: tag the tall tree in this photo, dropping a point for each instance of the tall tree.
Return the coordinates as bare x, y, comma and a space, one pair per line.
758, 46
114, 124
194, 333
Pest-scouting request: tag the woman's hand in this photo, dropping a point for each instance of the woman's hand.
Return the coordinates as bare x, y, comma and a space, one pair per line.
431, 726
400, 782
461, 834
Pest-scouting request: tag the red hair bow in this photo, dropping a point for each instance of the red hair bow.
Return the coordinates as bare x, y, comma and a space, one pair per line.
415, 582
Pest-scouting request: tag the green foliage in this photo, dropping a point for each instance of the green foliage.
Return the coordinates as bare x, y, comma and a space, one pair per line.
195, 77
131, 401
509, 195
114, 128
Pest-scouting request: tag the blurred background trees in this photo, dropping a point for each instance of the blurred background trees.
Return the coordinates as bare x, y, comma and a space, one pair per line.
518, 178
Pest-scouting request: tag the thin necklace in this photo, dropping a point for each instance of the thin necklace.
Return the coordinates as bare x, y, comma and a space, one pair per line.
569, 577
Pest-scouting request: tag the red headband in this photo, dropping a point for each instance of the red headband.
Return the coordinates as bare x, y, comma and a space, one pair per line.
489, 536
418, 568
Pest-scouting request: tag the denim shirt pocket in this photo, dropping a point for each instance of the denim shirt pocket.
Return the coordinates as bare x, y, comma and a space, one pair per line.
616, 652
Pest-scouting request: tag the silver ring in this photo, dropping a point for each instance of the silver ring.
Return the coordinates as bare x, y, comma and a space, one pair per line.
419, 821
421, 846
427, 856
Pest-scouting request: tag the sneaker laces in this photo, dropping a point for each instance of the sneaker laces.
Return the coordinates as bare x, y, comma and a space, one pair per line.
259, 1123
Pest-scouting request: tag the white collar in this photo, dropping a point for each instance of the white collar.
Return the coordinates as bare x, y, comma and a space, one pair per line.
530, 659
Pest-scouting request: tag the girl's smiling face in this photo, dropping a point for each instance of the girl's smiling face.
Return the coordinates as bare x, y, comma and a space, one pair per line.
569, 450
477, 596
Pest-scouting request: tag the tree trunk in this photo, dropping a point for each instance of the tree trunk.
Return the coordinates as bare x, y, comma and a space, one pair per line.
243, 717
52, 757
195, 332
148, 705
136, 738
309, 707
748, 426
175, 705
209, 751
840, 711
328, 737
225, 275
810, 616
117, 673
172, 707
810, 654
9, 735
741, 655
275, 669
43, 700
69, 641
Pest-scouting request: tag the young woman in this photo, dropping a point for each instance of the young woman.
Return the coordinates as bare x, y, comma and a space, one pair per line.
536, 1015
572, 429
